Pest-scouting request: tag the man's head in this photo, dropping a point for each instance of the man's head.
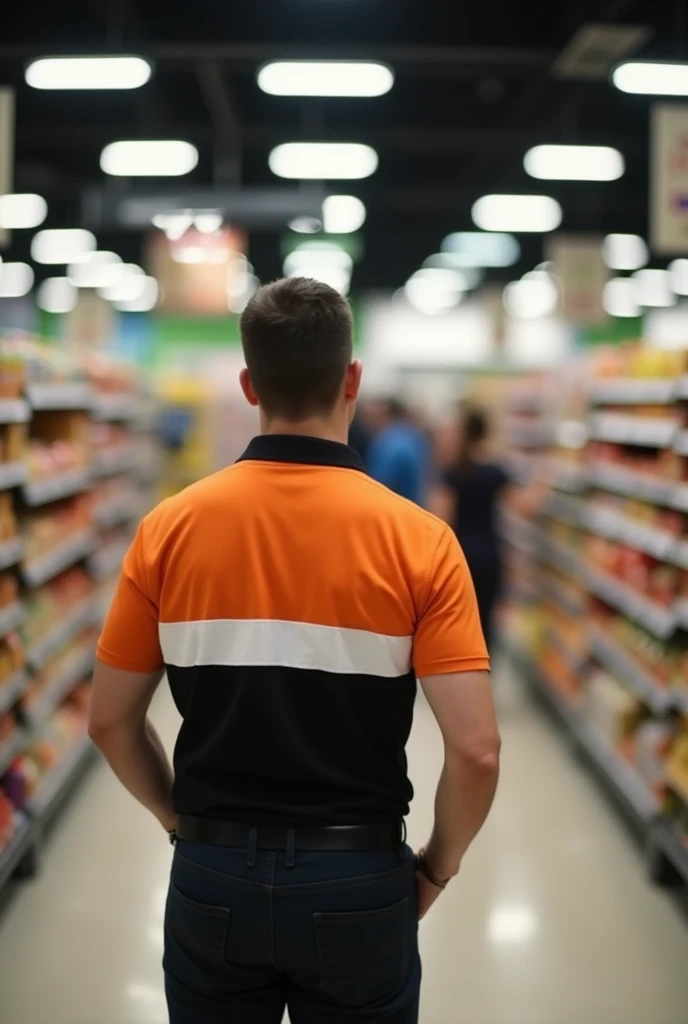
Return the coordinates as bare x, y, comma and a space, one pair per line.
297, 339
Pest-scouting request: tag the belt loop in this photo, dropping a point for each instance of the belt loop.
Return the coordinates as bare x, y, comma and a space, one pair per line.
291, 848
252, 851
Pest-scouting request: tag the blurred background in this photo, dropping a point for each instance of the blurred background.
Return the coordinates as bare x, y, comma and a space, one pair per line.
503, 196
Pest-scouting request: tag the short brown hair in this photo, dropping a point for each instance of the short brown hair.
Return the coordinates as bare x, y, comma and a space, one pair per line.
297, 339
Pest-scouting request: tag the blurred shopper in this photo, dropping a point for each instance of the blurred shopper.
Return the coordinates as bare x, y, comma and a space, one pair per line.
398, 455
360, 436
469, 501
292, 602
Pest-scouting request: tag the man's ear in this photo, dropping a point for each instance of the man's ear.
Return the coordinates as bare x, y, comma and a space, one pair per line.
247, 387
352, 381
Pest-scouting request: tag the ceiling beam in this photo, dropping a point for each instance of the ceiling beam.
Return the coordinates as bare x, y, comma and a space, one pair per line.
226, 120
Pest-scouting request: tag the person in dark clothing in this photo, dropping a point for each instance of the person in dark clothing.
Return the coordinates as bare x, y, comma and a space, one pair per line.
470, 497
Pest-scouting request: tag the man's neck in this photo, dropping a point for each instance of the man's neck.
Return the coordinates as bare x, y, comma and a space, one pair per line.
326, 429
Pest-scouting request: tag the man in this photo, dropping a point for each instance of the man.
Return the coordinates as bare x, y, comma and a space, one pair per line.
292, 602
398, 455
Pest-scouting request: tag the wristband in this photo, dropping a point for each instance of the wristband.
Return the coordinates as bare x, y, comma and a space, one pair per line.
422, 866
172, 836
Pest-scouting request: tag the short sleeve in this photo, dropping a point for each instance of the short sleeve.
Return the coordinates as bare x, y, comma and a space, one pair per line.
129, 639
449, 637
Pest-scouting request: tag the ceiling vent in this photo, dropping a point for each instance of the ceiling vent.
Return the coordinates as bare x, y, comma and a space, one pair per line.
595, 49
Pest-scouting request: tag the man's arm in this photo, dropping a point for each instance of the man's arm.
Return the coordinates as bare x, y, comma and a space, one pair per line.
119, 727
462, 704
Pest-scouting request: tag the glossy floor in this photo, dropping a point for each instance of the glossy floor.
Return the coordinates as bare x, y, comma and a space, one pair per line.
551, 921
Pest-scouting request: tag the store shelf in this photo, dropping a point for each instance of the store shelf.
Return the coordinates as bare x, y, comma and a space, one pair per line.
565, 508
609, 476
620, 775
115, 511
655, 618
621, 428
575, 660
73, 673
64, 555
108, 560
628, 671
12, 689
57, 784
62, 485
11, 552
12, 855
665, 836
634, 391
12, 474
563, 708
11, 617
568, 476
11, 748
615, 525
679, 497
121, 459
60, 635
114, 407
562, 557
14, 410
681, 442
59, 396
559, 595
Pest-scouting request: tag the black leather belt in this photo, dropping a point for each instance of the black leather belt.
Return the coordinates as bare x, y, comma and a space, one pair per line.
329, 839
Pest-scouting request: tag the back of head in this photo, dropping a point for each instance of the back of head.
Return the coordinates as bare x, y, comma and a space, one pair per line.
297, 336
473, 431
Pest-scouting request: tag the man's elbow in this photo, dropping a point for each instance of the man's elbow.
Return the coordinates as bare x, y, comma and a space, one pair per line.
481, 758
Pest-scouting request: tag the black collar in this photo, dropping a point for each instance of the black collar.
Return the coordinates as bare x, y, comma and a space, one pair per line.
312, 451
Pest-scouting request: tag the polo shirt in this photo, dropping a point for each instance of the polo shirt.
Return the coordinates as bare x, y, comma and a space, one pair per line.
293, 602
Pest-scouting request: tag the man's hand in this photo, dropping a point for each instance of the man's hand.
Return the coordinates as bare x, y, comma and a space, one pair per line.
427, 893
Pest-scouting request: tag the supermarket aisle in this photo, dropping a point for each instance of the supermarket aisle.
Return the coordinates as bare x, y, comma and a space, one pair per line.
552, 921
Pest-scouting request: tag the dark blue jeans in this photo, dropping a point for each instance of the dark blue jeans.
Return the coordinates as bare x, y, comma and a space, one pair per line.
333, 936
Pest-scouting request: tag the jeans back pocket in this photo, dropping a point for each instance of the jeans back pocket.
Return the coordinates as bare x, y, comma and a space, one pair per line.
363, 955
198, 929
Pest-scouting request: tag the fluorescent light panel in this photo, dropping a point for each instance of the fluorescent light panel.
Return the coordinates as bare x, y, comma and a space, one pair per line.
22, 210
625, 252
483, 248
517, 213
305, 225
95, 270
56, 295
535, 295
574, 163
16, 279
619, 297
434, 290
653, 288
152, 158
323, 160
343, 214
325, 78
62, 245
679, 276
129, 285
122, 72
145, 299
652, 78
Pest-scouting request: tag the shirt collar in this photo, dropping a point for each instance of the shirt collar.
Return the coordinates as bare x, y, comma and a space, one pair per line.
312, 451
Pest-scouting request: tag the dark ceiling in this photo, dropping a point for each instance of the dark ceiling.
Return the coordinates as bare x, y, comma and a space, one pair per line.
475, 87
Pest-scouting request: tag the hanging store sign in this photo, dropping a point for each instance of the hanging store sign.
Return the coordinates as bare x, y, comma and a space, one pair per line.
669, 179
582, 274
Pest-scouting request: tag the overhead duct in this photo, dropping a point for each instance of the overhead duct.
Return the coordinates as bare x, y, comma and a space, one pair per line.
256, 208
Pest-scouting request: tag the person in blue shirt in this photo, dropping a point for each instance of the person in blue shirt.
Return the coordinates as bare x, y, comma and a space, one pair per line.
398, 455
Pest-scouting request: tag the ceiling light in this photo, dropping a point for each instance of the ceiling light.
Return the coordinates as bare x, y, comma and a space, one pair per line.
99, 269
129, 285
16, 279
88, 73
56, 295
325, 78
189, 254
470, 276
652, 78
175, 225
343, 214
517, 213
305, 225
311, 253
574, 163
535, 295
61, 245
625, 252
146, 298
653, 288
208, 222
152, 158
22, 210
679, 276
483, 249
323, 160
619, 297
434, 290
